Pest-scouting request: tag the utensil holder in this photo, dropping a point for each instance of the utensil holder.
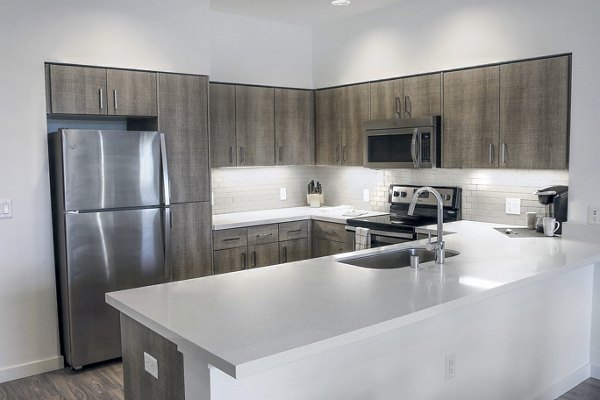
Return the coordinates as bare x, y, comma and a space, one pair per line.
314, 200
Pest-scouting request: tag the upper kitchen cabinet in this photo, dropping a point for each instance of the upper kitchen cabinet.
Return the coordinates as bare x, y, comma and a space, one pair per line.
182, 116
294, 127
100, 91
470, 118
255, 125
534, 108
339, 115
222, 125
77, 90
416, 96
131, 93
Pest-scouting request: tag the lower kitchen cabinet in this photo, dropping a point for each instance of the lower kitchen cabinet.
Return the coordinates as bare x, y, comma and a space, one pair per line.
263, 255
330, 238
190, 240
139, 384
293, 250
230, 260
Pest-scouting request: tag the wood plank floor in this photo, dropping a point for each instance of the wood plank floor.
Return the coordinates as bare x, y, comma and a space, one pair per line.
105, 382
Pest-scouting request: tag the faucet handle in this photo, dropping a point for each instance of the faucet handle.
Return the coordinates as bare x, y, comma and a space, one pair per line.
429, 245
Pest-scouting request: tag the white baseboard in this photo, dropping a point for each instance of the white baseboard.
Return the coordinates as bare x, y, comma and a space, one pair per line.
564, 385
595, 371
32, 368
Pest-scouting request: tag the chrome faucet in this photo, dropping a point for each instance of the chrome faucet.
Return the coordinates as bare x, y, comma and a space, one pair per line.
439, 247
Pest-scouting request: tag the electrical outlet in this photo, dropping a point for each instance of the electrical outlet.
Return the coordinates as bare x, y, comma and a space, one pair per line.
366, 195
282, 193
6, 208
593, 215
450, 366
151, 365
513, 206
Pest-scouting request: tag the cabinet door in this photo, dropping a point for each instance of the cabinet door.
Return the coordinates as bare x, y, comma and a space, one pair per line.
293, 250
470, 120
294, 127
324, 247
222, 125
131, 93
254, 125
182, 116
355, 110
422, 95
230, 260
191, 244
534, 107
263, 254
329, 231
78, 90
387, 99
328, 126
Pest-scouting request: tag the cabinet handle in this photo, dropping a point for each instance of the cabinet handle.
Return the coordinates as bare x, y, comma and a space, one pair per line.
241, 155
337, 154
491, 155
243, 260
280, 156
230, 155
115, 98
295, 231
345, 152
253, 259
231, 239
503, 153
284, 254
262, 235
398, 107
407, 105
101, 94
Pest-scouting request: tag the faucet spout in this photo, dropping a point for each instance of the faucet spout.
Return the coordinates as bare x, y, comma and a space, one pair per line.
440, 248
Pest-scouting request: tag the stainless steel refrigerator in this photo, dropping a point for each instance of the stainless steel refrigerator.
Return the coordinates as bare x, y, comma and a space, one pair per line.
110, 197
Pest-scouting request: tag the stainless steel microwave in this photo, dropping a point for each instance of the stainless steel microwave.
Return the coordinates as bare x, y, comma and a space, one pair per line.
402, 143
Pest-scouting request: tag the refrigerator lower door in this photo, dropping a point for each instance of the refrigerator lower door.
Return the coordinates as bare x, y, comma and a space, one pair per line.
106, 251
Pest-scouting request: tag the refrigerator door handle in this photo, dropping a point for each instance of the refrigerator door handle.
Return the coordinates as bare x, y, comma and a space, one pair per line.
165, 171
168, 226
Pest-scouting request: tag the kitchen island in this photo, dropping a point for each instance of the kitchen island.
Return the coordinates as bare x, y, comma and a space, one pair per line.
514, 314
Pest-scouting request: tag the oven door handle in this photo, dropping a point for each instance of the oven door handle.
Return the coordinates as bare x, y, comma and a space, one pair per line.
401, 235
416, 141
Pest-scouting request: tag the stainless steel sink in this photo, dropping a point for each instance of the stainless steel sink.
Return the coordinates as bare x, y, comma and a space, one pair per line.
395, 259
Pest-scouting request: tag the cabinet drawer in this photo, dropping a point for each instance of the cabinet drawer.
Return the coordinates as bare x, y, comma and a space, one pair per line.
329, 231
293, 230
230, 238
262, 234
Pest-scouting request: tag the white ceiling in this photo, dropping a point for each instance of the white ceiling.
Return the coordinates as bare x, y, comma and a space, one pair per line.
299, 12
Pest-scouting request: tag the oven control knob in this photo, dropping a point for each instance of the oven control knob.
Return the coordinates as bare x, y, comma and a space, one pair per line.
446, 197
403, 194
395, 194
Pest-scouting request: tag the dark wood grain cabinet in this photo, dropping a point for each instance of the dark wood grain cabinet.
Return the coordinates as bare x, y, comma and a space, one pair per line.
294, 250
331, 238
222, 125
416, 96
294, 127
230, 260
84, 90
534, 114
512, 115
255, 125
338, 133
471, 118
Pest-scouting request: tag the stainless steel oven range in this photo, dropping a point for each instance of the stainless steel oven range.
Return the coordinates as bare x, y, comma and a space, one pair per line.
398, 226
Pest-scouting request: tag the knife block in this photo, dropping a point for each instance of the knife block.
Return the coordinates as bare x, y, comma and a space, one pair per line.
314, 200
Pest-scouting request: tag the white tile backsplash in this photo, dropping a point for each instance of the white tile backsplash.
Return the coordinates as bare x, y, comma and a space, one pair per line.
484, 190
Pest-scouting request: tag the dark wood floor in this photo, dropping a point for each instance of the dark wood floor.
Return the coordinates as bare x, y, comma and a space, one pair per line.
100, 382
105, 382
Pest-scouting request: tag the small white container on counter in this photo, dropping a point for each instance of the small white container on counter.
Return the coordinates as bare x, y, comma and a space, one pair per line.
314, 200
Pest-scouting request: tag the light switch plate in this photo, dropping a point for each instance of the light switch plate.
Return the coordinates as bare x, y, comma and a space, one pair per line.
282, 193
513, 206
366, 195
594, 215
151, 365
5, 208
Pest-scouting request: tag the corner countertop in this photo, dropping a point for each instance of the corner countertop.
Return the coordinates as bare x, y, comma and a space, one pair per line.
250, 218
292, 311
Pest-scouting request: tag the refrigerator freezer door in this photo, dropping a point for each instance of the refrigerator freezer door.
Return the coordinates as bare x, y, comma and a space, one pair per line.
111, 169
106, 251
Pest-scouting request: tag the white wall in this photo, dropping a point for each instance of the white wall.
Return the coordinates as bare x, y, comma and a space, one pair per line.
148, 34
247, 50
433, 35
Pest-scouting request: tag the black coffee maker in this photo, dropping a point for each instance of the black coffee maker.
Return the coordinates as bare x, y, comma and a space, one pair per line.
556, 199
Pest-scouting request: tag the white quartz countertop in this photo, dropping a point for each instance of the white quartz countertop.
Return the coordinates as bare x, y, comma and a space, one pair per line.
250, 321
249, 218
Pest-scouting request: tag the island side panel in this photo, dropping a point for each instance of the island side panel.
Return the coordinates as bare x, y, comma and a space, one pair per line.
529, 342
139, 384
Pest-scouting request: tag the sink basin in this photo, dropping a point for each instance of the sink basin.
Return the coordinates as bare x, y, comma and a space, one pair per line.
395, 259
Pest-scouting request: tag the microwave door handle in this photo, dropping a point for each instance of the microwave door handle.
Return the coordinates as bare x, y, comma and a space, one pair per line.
413, 148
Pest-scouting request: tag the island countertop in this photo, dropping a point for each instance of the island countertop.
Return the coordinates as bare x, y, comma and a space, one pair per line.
250, 321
